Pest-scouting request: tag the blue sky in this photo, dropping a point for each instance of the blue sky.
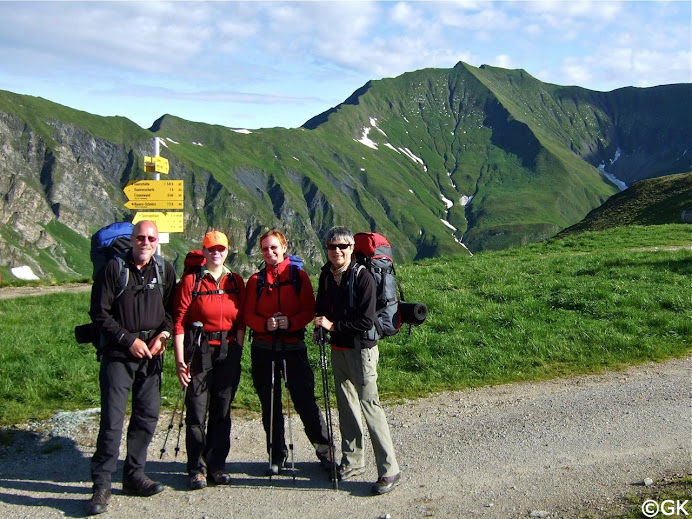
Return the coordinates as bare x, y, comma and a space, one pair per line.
264, 64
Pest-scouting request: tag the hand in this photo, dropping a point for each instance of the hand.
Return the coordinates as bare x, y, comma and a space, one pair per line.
323, 322
158, 344
183, 372
139, 349
277, 321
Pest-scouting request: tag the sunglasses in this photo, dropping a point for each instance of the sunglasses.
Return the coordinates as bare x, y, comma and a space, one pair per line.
141, 238
341, 246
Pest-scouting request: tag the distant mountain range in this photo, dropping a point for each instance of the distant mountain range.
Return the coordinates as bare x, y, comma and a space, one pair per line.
441, 161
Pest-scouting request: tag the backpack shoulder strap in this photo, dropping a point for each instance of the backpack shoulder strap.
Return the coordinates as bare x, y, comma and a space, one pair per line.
355, 272
197, 272
160, 265
123, 275
261, 281
295, 278
198, 281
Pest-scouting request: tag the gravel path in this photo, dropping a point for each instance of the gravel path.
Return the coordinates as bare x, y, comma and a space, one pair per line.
9, 292
565, 448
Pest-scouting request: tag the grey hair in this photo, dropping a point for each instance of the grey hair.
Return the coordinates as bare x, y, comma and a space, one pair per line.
337, 234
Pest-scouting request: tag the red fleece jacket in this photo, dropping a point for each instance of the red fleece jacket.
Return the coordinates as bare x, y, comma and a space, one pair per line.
300, 309
218, 312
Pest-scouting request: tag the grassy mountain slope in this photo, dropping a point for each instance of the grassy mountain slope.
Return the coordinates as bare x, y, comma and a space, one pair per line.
484, 156
465, 125
654, 201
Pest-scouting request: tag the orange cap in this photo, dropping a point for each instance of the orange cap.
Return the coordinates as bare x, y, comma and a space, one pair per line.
214, 239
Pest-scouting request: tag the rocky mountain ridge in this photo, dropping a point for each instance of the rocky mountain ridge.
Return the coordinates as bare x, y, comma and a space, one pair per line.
436, 158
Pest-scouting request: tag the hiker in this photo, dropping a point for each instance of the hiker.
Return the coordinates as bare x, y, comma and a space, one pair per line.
210, 370
354, 361
135, 322
279, 304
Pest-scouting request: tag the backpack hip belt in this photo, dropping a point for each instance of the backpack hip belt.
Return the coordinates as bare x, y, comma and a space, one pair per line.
206, 350
146, 335
217, 336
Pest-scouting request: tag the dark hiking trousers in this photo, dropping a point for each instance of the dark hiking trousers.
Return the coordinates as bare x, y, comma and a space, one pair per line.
209, 396
117, 377
301, 386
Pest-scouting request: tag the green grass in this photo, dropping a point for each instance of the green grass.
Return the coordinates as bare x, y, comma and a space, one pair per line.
589, 302
666, 492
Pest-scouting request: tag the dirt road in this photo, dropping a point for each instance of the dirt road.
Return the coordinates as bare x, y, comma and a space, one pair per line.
30, 290
563, 448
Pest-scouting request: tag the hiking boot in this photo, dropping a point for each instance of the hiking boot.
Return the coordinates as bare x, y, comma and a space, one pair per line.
276, 467
99, 501
344, 472
386, 484
142, 486
220, 478
326, 460
198, 481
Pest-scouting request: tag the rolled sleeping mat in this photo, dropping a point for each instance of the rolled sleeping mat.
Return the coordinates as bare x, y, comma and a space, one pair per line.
413, 313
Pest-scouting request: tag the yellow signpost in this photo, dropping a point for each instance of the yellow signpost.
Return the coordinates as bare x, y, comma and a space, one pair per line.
154, 190
166, 221
157, 194
154, 204
156, 164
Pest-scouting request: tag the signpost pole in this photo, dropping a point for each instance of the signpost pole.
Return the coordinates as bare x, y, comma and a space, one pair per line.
157, 176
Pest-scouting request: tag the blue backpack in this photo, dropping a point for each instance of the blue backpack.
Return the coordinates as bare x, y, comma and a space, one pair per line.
113, 241
295, 266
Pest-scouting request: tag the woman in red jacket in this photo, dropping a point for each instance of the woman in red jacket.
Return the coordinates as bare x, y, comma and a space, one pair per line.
280, 303
209, 365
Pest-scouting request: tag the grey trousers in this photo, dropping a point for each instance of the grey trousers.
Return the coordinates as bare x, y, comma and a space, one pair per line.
355, 380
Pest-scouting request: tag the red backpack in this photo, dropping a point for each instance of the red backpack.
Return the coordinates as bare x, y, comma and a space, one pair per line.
373, 252
194, 261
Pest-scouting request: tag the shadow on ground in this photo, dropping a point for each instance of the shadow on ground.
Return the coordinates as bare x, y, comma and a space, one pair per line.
51, 472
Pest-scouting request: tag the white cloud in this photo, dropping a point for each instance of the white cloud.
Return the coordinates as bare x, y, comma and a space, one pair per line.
575, 72
503, 61
235, 62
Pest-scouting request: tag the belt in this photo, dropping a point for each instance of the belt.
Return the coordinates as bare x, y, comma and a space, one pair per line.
215, 336
145, 335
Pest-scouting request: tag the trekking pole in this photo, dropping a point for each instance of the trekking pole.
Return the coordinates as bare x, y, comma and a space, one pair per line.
181, 392
271, 407
197, 328
321, 341
288, 411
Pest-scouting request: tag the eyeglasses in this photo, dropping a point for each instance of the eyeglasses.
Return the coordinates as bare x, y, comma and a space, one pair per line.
341, 246
142, 238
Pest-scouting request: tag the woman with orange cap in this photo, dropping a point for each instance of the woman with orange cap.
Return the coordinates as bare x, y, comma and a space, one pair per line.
208, 358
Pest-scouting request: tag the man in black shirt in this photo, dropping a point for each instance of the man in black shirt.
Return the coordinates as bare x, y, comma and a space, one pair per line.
135, 322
